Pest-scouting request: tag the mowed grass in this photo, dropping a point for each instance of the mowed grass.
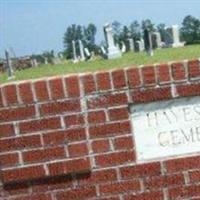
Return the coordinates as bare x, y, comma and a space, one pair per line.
128, 59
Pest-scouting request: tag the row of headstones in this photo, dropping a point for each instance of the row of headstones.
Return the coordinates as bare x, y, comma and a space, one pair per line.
12, 64
35, 62
54, 60
151, 41
84, 52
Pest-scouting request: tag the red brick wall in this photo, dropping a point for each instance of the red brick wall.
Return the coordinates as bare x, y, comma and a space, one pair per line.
70, 137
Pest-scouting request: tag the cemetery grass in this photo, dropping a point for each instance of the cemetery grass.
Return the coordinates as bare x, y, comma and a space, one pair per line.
127, 60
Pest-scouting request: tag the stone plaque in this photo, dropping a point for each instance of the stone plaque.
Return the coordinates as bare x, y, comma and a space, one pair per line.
166, 128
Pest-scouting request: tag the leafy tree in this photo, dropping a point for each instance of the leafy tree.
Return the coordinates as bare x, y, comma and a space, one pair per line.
190, 31
161, 29
135, 30
116, 26
120, 34
147, 24
73, 32
77, 32
124, 35
89, 37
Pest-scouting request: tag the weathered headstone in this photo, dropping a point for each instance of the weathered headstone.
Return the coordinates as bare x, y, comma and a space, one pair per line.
123, 49
88, 54
142, 44
138, 46
75, 59
112, 50
81, 49
9, 66
156, 40
172, 38
34, 62
131, 44
103, 50
148, 42
45, 60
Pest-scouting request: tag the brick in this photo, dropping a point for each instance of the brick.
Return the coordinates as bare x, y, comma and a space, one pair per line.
23, 174
188, 90
109, 198
77, 150
63, 137
60, 107
164, 181
76, 166
184, 192
101, 176
120, 187
18, 190
118, 113
133, 77
25, 92
105, 101
20, 143
145, 196
42, 155
88, 83
182, 164
118, 128
78, 193
148, 75
72, 86
142, 170
40, 125
41, 91
194, 176
100, 146
163, 73
8, 160
178, 71
103, 81
61, 182
35, 197
74, 120
96, 117
115, 158
194, 69
1, 98
142, 96
6, 130
56, 88
118, 77
124, 143
18, 113
10, 94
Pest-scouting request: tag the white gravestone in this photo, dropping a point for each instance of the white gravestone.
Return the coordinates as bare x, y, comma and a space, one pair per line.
113, 51
81, 50
123, 49
156, 38
140, 45
103, 50
131, 44
45, 60
75, 59
172, 38
166, 128
86, 50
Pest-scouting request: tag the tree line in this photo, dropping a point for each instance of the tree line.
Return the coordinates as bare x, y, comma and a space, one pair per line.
189, 32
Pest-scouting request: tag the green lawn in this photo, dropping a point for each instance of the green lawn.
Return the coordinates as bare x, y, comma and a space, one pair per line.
128, 59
